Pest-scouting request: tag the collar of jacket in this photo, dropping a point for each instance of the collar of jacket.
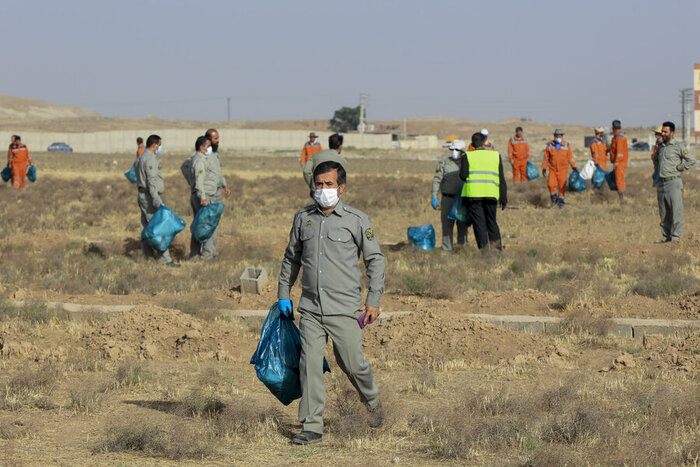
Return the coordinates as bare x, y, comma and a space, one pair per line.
339, 209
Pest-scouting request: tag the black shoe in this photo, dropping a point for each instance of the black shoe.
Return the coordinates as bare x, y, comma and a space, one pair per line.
172, 264
307, 437
560, 202
554, 200
376, 415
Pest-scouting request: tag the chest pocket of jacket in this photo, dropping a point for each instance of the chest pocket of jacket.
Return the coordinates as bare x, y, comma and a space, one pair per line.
340, 235
307, 232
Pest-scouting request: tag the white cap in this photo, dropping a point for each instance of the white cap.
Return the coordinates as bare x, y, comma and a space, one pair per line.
457, 144
484, 132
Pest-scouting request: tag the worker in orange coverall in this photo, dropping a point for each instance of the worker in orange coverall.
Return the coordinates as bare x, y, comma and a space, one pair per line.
557, 157
599, 151
310, 148
19, 160
518, 155
619, 155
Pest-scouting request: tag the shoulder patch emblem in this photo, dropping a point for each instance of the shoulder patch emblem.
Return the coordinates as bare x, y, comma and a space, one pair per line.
308, 223
437, 171
369, 233
150, 167
685, 151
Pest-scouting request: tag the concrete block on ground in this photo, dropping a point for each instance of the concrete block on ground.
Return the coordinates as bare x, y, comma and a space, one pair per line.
253, 280
663, 327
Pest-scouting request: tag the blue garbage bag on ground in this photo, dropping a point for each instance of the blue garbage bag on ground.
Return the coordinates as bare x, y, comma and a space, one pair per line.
598, 178
31, 173
576, 181
277, 357
422, 236
532, 172
655, 176
206, 221
6, 174
610, 178
162, 228
459, 211
131, 174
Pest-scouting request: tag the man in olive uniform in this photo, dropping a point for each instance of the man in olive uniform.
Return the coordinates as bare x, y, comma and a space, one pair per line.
335, 143
446, 181
671, 158
327, 239
149, 181
208, 186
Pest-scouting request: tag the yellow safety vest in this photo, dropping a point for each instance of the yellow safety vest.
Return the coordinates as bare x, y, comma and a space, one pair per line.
483, 180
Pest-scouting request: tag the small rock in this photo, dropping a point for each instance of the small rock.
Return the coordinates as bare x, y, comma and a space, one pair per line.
395, 460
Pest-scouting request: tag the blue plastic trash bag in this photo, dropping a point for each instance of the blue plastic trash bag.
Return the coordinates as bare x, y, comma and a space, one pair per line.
6, 174
162, 228
459, 212
206, 221
276, 359
576, 181
610, 178
422, 236
131, 174
532, 172
598, 178
655, 176
31, 173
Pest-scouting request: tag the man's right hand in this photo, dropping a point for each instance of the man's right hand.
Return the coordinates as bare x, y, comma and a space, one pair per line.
204, 202
435, 203
157, 202
286, 308
544, 172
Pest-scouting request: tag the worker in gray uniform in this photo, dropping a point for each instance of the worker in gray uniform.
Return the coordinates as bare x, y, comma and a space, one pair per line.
327, 239
208, 186
671, 159
149, 181
447, 182
335, 144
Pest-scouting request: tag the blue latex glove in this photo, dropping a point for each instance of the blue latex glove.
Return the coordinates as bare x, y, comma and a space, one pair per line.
435, 203
597, 165
286, 308
575, 169
544, 172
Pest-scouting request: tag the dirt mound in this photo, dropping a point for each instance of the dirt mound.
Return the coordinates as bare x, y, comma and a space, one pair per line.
663, 353
152, 332
424, 337
690, 306
12, 344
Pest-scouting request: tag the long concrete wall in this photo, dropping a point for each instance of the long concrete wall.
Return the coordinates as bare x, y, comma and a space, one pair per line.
107, 142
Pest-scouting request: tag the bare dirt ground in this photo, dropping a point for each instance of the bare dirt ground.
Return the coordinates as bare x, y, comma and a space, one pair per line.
170, 382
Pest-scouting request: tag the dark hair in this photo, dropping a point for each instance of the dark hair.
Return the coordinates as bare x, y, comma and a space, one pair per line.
18, 138
335, 141
478, 140
201, 141
325, 167
139, 140
518, 128
153, 139
671, 125
616, 124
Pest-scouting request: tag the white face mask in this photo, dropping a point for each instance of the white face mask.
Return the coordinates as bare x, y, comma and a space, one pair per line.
456, 154
327, 197
208, 151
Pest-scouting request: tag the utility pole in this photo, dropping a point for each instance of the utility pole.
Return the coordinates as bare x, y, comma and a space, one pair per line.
686, 100
361, 126
228, 109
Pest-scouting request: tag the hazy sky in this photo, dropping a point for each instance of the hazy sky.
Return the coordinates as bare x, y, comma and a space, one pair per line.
559, 62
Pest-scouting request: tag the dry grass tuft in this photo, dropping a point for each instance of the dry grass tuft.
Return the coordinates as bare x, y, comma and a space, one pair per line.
130, 374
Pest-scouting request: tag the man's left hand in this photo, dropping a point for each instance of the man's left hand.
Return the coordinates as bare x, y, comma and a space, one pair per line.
227, 191
372, 313
615, 165
204, 202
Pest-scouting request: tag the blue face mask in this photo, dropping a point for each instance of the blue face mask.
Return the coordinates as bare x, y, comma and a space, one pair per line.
160, 149
556, 140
